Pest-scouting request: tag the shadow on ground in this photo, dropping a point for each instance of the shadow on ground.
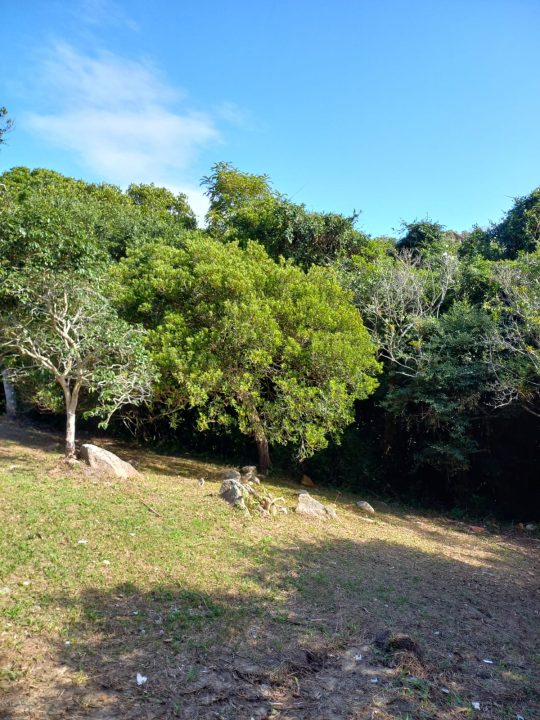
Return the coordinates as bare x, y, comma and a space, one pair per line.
307, 642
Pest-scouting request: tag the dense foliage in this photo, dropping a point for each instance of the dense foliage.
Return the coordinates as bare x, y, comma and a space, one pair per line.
409, 365
280, 353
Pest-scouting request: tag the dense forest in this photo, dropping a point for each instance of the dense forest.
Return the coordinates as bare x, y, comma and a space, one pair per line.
407, 366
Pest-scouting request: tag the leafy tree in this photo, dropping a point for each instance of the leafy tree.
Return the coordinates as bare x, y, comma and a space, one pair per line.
515, 344
162, 201
246, 341
244, 208
398, 295
519, 231
451, 385
6, 124
46, 217
421, 235
64, 328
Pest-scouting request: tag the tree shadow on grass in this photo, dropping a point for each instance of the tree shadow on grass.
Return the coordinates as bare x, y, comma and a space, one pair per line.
298, 640
23, 433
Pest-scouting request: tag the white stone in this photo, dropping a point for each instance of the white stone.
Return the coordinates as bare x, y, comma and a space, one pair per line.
107, 462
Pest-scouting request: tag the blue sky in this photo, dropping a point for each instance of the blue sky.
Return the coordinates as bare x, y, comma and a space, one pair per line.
399, 108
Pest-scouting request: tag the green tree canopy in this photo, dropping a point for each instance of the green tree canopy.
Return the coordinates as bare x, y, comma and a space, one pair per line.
244, 340
50, 220
244, 207
519, 231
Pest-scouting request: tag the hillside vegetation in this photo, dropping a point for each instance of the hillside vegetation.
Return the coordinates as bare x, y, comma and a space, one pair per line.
406, 365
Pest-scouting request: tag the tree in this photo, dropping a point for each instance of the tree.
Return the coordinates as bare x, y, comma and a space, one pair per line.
421, 235
62, 326
9, 393
48, 219
398, 296
519, 231
515, 342
245, 341
162, 201
6, 124
452, 383
244, 208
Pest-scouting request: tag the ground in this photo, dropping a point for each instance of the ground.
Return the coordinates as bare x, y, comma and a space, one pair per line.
236, 618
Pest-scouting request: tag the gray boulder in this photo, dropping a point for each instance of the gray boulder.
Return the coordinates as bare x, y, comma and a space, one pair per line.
228, 475
248, 471
233, 492
307, 505
366, 507
107, 462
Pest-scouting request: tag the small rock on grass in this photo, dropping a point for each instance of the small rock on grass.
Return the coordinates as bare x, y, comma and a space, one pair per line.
365, 506
248, 470
307, 481
307, 505
232, 491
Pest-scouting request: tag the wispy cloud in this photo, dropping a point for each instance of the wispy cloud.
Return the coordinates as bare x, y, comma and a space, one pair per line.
123, 120
100, 13
234, 114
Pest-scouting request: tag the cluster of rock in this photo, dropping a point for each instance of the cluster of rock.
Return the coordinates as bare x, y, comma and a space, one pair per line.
238, 489
237, 486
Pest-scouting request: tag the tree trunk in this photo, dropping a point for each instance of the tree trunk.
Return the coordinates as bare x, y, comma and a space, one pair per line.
71, 397
264, 454
9, 392
70, 432
389, 432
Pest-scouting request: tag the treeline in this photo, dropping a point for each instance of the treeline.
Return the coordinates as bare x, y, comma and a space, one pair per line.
406, 365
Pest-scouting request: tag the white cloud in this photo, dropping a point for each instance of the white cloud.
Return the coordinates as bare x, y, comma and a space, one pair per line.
102, 13
234, 114
120, 118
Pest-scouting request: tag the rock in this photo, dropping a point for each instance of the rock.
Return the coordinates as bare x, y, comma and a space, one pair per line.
309, 506
365, 506
249, 471
531, 527
228, 475
307, 481
232, 491
107, 462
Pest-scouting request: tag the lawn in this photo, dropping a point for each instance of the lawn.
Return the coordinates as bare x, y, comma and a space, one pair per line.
225, 616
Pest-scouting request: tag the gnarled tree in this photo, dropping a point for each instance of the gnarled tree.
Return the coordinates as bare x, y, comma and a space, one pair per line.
63, 327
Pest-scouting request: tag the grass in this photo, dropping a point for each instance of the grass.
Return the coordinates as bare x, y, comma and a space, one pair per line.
233, 617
